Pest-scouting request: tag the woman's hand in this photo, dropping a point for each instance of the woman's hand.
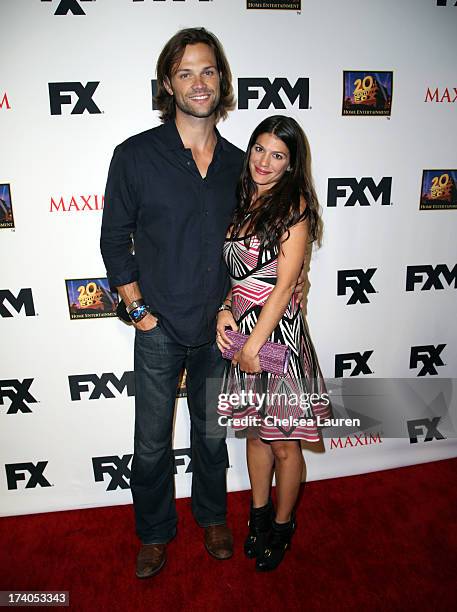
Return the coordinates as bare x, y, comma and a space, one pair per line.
299, 291
248, 363
224, 319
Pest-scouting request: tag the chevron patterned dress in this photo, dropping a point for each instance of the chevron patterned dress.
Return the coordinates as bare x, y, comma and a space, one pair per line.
271, 407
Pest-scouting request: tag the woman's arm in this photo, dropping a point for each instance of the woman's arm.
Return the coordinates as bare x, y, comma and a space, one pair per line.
290, 262
225, 319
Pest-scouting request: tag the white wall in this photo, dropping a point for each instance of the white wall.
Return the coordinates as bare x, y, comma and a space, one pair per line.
46, 156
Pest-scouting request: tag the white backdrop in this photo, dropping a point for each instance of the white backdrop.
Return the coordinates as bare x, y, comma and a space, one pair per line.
45, 157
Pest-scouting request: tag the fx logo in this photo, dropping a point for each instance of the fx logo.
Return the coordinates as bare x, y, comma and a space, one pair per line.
173, 0
346, 361
416, 428
19, 394
428, 356
16, 472
248, 89
116, 467
360, 283
23, 300
79, 384
445, 3
430, 277
69, 6
355, 191
84, 94
183, 457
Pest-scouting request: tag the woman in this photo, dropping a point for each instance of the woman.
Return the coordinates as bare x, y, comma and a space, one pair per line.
276, 218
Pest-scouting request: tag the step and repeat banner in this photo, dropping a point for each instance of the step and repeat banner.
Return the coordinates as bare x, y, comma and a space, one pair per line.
374, 86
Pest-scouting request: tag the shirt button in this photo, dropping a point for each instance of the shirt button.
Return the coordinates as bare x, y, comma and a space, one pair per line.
209, 269
206, 212
188, 163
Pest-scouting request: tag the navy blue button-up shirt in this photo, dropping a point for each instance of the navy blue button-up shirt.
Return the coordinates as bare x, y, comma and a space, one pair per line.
178, 221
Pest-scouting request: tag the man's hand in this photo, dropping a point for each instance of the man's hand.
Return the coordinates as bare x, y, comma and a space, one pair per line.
299, 291
148, 323
224, 319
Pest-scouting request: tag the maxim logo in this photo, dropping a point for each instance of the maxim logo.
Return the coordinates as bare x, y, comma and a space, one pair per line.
84, 95
426, 428
81, 203
4, 102
359, 282
364, 191
18, 392
446, 3
17, 471
9, 303
445, 95
106, 385
69, 6
428, 356
355, 440
357, 363
430, 277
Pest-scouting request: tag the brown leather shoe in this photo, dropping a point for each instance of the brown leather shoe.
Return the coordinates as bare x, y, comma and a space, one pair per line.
219, 541
151, 558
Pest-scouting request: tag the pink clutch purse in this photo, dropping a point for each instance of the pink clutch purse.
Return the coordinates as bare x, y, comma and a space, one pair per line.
274, 357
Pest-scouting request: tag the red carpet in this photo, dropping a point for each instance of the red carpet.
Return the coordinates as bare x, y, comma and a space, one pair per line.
377, 541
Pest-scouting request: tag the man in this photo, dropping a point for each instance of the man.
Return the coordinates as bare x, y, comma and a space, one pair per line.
173, 189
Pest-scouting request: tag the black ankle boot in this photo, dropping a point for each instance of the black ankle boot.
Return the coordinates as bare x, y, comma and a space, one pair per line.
259, 526
277, 542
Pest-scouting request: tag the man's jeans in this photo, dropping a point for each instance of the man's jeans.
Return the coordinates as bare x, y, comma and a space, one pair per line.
158, 362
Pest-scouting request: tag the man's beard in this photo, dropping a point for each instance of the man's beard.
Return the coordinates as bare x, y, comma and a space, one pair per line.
193, 112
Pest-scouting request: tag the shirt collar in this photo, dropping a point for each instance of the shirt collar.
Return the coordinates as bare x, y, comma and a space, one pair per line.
172, 139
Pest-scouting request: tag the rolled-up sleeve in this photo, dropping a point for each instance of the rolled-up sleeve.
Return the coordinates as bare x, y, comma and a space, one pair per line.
119, 222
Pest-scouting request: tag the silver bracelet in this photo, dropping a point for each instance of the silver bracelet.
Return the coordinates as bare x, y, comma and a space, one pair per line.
224, 307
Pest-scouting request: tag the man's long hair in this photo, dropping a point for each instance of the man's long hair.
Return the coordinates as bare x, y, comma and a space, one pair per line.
171, 57
276, 210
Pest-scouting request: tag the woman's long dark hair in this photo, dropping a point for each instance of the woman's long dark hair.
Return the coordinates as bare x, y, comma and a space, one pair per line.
275, 211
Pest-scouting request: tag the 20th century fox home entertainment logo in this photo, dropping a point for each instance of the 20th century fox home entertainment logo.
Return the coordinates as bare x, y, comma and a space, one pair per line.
6, 206
439, 190
367, 93
274, 5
